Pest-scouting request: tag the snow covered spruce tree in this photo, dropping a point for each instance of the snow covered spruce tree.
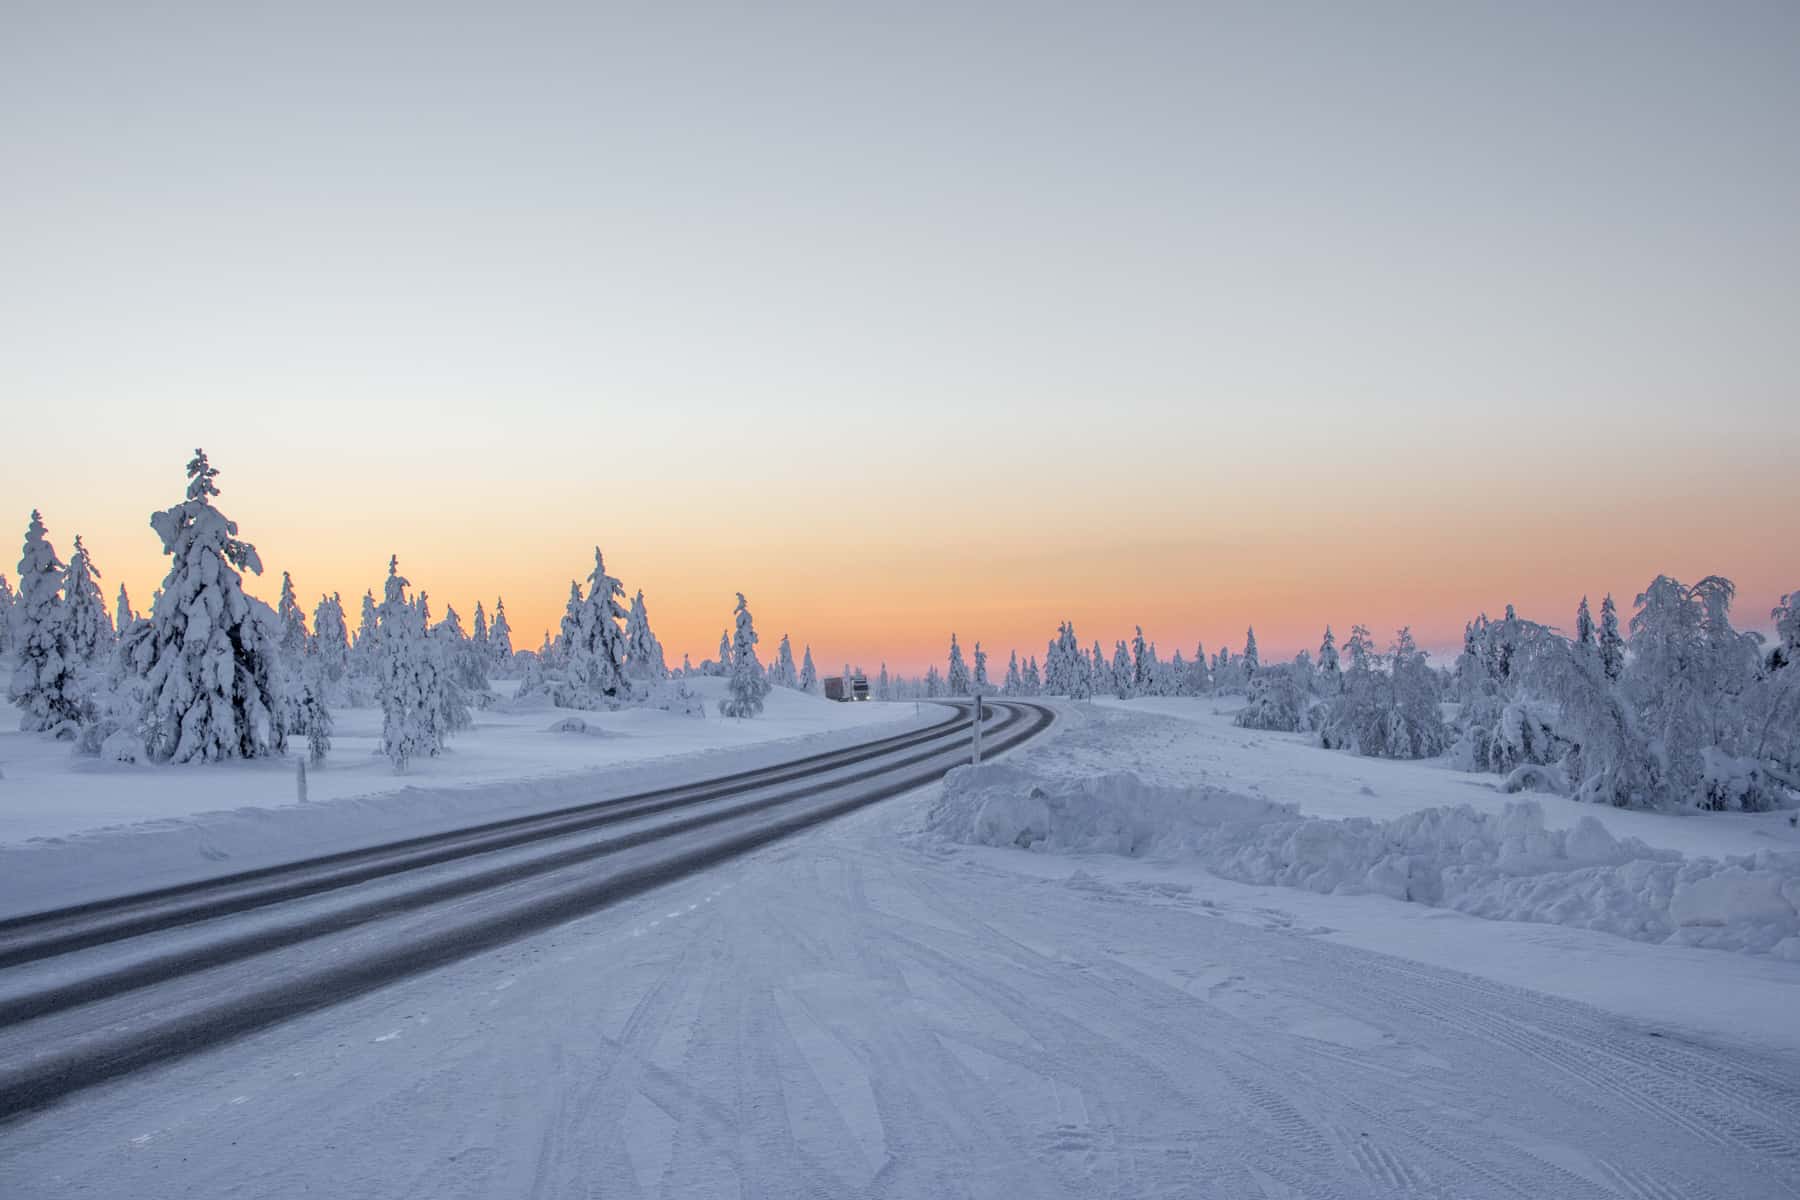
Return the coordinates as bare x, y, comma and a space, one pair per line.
1012, 683
1034, 683
1251, 663
782, 673
1056, 673
90, 629
1612, 646
465, 665
644, 660
330, 640
420, 704
568, 630
593, 647
1331, 676
123, 616
1584, 625
213, 687
500, 647
363, 651
43, 684
8, 603
980, 680
809, 674
293, 621
478, 633
957, 678
748, 684
1122, 671
884, 686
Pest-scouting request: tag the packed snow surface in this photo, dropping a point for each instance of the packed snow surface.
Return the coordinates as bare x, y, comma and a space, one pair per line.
1181, 741
1506, 866
49, 791
864, 1012
870, 1009
74, 829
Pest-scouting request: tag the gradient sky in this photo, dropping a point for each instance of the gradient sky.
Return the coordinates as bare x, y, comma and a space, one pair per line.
905, 319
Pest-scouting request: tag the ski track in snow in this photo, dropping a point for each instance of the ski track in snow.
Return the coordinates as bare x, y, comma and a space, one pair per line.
852, 1013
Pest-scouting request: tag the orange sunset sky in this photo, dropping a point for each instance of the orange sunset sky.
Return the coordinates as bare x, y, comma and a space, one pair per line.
911, 323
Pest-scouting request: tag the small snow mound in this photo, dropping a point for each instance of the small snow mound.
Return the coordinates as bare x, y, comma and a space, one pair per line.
569, 725
122, 746
1505, 866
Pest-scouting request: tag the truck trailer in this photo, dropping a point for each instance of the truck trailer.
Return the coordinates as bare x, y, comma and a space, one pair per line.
846, 687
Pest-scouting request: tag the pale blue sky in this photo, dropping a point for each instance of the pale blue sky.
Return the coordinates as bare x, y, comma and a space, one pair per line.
1140, 268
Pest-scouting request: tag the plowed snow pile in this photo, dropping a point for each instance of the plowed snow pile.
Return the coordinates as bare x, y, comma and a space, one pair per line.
1505, 866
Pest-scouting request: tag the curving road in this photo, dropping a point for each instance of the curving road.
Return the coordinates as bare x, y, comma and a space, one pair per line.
98, 991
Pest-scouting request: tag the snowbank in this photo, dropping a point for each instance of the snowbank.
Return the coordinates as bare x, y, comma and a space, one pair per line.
1503, 866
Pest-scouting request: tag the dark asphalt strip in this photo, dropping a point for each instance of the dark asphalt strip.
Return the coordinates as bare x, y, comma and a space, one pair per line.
57, 1075
60, 931
234, 948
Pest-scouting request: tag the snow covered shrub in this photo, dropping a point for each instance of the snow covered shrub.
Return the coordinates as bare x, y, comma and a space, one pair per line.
1279, 700
121, 746
1501, 736
674, 696
213, 679
1535, 777
1736, 783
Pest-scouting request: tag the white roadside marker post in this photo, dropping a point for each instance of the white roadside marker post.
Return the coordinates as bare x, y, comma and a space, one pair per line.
976, 761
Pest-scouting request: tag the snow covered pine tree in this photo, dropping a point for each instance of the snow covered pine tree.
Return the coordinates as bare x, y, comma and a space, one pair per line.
211, 671
957, 681
748, 684
43, 683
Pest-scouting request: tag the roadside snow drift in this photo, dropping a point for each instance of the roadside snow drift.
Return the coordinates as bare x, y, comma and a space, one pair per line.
1502, 866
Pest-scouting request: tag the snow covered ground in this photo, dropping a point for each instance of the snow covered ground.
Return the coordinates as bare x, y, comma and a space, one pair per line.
1125, 783
74, 828
869, 1009
865, 1011
1200, 745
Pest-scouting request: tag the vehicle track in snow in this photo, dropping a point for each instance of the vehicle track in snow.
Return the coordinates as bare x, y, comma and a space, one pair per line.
33, 936
110, 988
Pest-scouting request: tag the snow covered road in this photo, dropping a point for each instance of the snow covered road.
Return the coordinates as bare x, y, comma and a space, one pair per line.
95, 993
855, 1011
